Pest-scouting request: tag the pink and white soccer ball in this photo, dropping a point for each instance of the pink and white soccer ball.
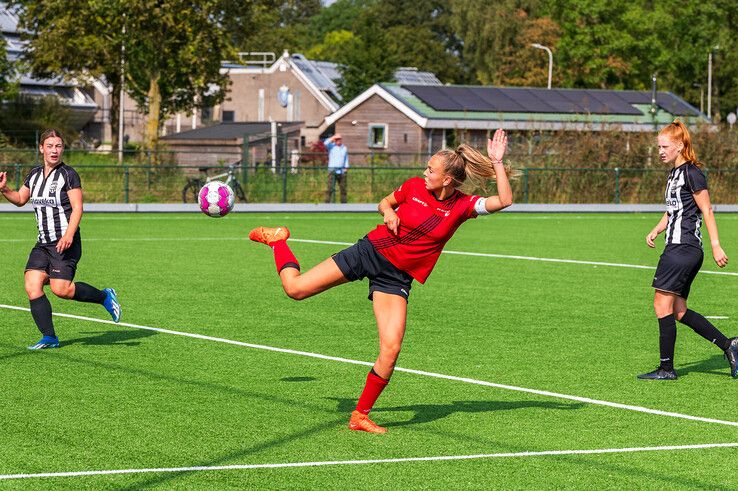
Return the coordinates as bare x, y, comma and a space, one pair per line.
216, 199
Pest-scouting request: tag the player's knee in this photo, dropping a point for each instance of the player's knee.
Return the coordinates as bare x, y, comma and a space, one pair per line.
390, 351
62, 291
679, 313
34, 289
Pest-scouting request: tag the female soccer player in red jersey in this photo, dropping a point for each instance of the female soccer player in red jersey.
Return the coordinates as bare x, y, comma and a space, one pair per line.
419, 218
687, 203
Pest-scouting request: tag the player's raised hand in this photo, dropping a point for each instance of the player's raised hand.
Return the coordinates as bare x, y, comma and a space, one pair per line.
497, 146
3, 179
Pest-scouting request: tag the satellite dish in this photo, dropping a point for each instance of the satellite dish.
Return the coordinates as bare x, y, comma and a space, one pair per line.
731, 119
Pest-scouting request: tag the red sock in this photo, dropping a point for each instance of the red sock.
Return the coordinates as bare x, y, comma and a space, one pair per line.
283, 256
374, 386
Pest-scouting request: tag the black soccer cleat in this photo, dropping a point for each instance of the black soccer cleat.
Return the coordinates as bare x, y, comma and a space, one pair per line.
732, 355
659, 374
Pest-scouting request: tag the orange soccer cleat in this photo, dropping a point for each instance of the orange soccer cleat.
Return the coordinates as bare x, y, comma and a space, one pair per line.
361, 422
267, 235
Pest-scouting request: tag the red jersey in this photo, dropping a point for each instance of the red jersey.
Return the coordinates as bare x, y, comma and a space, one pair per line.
426, 224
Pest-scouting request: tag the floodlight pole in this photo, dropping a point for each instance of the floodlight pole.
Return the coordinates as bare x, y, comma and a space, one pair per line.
121, 107
550, 60
709, 82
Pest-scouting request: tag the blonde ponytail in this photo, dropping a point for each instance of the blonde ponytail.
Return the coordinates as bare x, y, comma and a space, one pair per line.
468, 163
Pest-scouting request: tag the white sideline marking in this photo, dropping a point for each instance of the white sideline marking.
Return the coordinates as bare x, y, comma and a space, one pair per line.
330, 242
528, 258
723, 317
544, 393
543, 453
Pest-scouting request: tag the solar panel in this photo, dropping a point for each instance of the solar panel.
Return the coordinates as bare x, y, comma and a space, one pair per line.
535, 100
674, 105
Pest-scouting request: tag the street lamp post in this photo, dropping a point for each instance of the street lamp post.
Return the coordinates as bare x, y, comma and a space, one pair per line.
709, 82
702, 96
550, 60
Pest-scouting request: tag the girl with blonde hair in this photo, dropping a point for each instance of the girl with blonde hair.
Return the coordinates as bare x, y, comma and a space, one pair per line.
419, 218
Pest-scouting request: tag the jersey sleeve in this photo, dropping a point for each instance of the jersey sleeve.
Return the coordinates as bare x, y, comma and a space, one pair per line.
72, 179
696, 179
27, 180
470, 212
402, 192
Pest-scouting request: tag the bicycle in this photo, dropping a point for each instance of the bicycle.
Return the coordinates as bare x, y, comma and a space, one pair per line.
194, 184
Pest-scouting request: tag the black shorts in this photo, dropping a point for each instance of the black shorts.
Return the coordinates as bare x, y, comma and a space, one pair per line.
362, 260
677, 268
62, 266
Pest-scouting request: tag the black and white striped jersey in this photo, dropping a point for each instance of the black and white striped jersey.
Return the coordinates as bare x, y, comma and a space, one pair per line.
50, 200
685, 217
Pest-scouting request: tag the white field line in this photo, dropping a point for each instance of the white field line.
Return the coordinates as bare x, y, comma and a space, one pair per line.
458, 253
718, 317
544, 453
484, 383
529, 258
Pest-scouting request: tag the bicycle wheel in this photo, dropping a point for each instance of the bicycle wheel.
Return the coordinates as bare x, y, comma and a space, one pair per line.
190, 190
238, 190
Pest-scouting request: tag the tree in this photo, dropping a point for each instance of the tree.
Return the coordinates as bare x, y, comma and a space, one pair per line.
173, 54
71, 40
487, 31
173, 48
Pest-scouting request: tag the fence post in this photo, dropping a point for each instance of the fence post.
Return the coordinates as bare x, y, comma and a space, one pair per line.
17, 176
245, 160
37, 145
525, 185
125, 183
617, 185
284, 183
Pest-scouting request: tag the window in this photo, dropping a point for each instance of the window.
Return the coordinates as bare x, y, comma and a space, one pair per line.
377, 136
229, 116
206, 114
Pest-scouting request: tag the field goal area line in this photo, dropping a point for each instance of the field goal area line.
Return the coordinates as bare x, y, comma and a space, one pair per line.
472, 381
543, 453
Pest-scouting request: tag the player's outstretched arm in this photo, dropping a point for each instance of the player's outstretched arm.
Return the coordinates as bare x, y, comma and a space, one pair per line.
660, 227
703, 202
18, 198
496, 148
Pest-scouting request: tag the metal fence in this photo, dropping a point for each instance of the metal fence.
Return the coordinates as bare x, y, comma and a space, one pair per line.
141, 183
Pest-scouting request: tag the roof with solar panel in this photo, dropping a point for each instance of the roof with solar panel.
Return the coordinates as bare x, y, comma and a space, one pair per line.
525, 108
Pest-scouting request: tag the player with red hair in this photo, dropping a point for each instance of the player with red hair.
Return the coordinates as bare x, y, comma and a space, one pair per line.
687, 203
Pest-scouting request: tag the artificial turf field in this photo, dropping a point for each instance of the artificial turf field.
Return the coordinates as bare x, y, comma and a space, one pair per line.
123, 398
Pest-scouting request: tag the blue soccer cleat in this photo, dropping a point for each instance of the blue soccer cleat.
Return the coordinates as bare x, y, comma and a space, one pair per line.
111, 304
45, 343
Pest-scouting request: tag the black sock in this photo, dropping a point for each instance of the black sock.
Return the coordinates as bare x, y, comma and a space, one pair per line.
704, 328
41, 312
667, 339
87, 293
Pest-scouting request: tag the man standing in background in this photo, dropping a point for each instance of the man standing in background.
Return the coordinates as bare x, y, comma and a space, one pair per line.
338, 164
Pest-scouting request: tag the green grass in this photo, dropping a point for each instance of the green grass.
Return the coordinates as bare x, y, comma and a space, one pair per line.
117, 397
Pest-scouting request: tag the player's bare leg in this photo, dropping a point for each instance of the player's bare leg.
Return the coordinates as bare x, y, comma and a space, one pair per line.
391, 314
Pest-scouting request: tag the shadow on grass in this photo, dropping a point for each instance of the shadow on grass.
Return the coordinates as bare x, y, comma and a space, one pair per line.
426, 413
116, 337
715, 365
